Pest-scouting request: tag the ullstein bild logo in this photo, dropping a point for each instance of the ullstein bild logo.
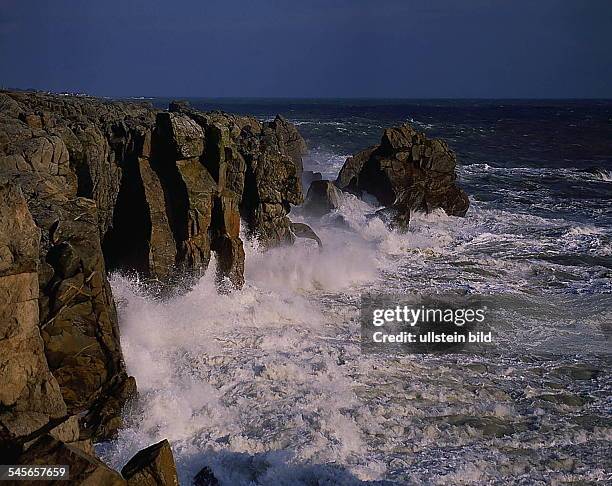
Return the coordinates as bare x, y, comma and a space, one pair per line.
423, 324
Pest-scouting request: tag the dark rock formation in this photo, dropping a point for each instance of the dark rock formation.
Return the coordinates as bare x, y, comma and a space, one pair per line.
152, 466
205, 478
258, 166
302, 230
57, 154
308, 176
88, 186
407, 171
348, 177
290, 140
322, 197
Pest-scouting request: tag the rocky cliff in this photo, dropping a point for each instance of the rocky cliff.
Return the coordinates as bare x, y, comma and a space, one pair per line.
88, 186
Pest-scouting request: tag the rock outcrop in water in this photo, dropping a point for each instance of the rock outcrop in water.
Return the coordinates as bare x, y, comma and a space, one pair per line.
88, 186
322, 197
406, 172
152, 466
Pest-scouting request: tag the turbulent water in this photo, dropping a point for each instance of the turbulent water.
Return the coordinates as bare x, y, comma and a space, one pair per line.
268, 386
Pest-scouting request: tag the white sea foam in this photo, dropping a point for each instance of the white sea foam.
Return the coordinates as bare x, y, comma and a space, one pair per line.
605, 175
540, 172
267, 385
421, 125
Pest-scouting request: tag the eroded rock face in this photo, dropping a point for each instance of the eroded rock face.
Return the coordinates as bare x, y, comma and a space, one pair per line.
290, 140
406, 172
348, 177
30, 396
205, 478
75, 316
87, 186
257, 164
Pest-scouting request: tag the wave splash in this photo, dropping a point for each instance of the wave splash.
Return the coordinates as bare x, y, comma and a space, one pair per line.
267, 385
252, 374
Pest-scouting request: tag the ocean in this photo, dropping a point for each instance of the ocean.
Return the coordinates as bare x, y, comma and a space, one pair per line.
268, 385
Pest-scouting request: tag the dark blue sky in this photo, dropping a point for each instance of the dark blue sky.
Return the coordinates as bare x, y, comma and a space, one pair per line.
310, 48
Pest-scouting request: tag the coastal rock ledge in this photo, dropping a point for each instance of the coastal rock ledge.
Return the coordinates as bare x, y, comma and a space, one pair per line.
88, 186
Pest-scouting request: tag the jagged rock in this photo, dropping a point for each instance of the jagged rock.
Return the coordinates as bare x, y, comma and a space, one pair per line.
302, 230
78, 319
183, 133
272, 186
205, 478
406, 172
322, 197
84, 469
109, 185
290, 140
348, 177
260, 163
160, 245
30, 396
153, 466
201, 189
105, 416
225, 239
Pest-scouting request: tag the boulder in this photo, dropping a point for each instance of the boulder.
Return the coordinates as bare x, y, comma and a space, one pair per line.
184, 135
406, 172
348, 177
259, 164
153, 466
322, 197
272, 185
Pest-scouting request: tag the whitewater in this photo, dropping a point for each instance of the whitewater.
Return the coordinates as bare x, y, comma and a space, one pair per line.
267, 385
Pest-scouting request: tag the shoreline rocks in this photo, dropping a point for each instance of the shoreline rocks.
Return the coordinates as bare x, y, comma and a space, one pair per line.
406, 172
152, 466
88, 186
323, 196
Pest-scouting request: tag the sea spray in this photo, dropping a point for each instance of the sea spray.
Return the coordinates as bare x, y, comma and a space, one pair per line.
267, 385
